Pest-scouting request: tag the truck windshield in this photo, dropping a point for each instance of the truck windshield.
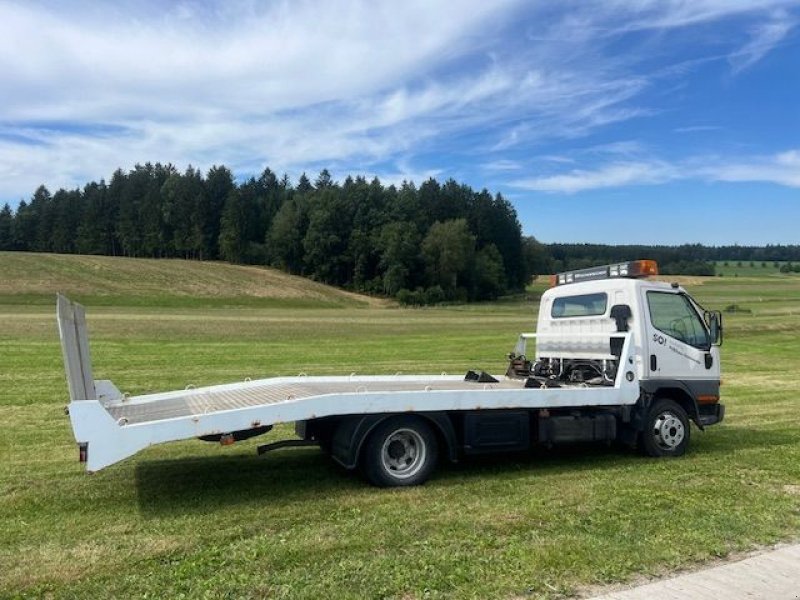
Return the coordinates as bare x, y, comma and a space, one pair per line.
674, 315
585, 305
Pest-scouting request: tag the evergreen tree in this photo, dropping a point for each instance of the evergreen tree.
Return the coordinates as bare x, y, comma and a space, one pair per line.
6, 228
114, 195
232, 233
273, 193
96, 226
41, 209
131, 188
218, 186
24, 227
252, 194
200, 245
304, 185
66, 216
185, 213
324, 180
366, 202
285, 237
327, 239
429, 201
507, 237
154, 227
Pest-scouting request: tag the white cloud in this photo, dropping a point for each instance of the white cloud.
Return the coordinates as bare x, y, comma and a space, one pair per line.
780, 169
697, 128
502, 165
135, 65
612, 175
620, 148
671, 14
763, 39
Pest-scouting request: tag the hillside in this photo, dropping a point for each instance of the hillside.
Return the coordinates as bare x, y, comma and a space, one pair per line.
34, 278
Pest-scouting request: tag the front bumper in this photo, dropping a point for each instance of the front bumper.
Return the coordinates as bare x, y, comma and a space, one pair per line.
710, 414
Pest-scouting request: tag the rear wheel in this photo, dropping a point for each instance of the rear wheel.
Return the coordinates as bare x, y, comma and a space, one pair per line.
667, 429
401, 451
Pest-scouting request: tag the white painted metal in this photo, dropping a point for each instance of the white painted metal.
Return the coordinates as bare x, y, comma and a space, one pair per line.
573, 337
580, 337
75, 349
115, 427
675, 359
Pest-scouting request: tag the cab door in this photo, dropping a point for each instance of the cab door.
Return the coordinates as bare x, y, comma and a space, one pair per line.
677, 338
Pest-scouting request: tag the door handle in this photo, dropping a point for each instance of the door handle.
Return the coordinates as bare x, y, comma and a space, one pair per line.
653, 362
709, 360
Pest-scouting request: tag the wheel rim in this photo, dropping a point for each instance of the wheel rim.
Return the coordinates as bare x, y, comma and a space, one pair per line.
403, 453
668, 431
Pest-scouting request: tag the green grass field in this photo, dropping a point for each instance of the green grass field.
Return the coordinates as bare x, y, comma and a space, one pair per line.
746, 268
199, 520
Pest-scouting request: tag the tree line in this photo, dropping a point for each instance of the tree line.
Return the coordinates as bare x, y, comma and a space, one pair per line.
421, 244
687, 259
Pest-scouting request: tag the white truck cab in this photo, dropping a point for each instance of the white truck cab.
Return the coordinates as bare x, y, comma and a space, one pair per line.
676, 341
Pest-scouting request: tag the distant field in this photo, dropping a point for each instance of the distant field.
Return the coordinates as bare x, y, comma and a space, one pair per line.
746, 268
33, 278
198, 520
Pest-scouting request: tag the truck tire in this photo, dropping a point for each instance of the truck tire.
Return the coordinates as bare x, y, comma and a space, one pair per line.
400, 451
666, 431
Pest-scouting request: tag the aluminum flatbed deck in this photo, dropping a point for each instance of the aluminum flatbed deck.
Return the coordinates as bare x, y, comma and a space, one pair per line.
278, 390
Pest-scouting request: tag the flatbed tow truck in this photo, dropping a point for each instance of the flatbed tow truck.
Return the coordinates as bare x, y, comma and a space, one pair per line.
618, 357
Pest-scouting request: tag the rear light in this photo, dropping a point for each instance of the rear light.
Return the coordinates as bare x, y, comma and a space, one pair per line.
83, 452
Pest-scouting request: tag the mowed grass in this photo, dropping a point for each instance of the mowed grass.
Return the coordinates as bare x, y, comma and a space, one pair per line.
746, 268
198, 520
32, 278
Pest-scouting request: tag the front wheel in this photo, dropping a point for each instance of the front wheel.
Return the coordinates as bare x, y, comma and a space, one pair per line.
401, 451
667, 429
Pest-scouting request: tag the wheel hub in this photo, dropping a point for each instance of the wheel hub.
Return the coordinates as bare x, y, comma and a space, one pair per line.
396, 449
668, 431
403, 453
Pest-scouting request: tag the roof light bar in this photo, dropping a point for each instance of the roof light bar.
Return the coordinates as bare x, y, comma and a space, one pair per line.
632, 269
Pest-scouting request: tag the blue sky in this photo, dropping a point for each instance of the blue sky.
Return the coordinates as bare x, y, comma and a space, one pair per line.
641, 121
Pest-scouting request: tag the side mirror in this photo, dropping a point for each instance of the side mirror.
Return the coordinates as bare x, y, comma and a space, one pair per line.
714, 320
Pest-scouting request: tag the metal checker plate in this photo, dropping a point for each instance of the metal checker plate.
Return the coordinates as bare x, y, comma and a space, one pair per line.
204, 401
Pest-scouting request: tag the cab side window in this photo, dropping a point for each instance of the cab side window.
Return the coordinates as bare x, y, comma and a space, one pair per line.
585, 305
674, 315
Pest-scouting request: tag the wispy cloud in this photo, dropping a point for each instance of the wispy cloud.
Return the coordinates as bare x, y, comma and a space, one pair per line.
502, 165
697, 128
618, 148
612, 175
764, 38
672, 14
780, 169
